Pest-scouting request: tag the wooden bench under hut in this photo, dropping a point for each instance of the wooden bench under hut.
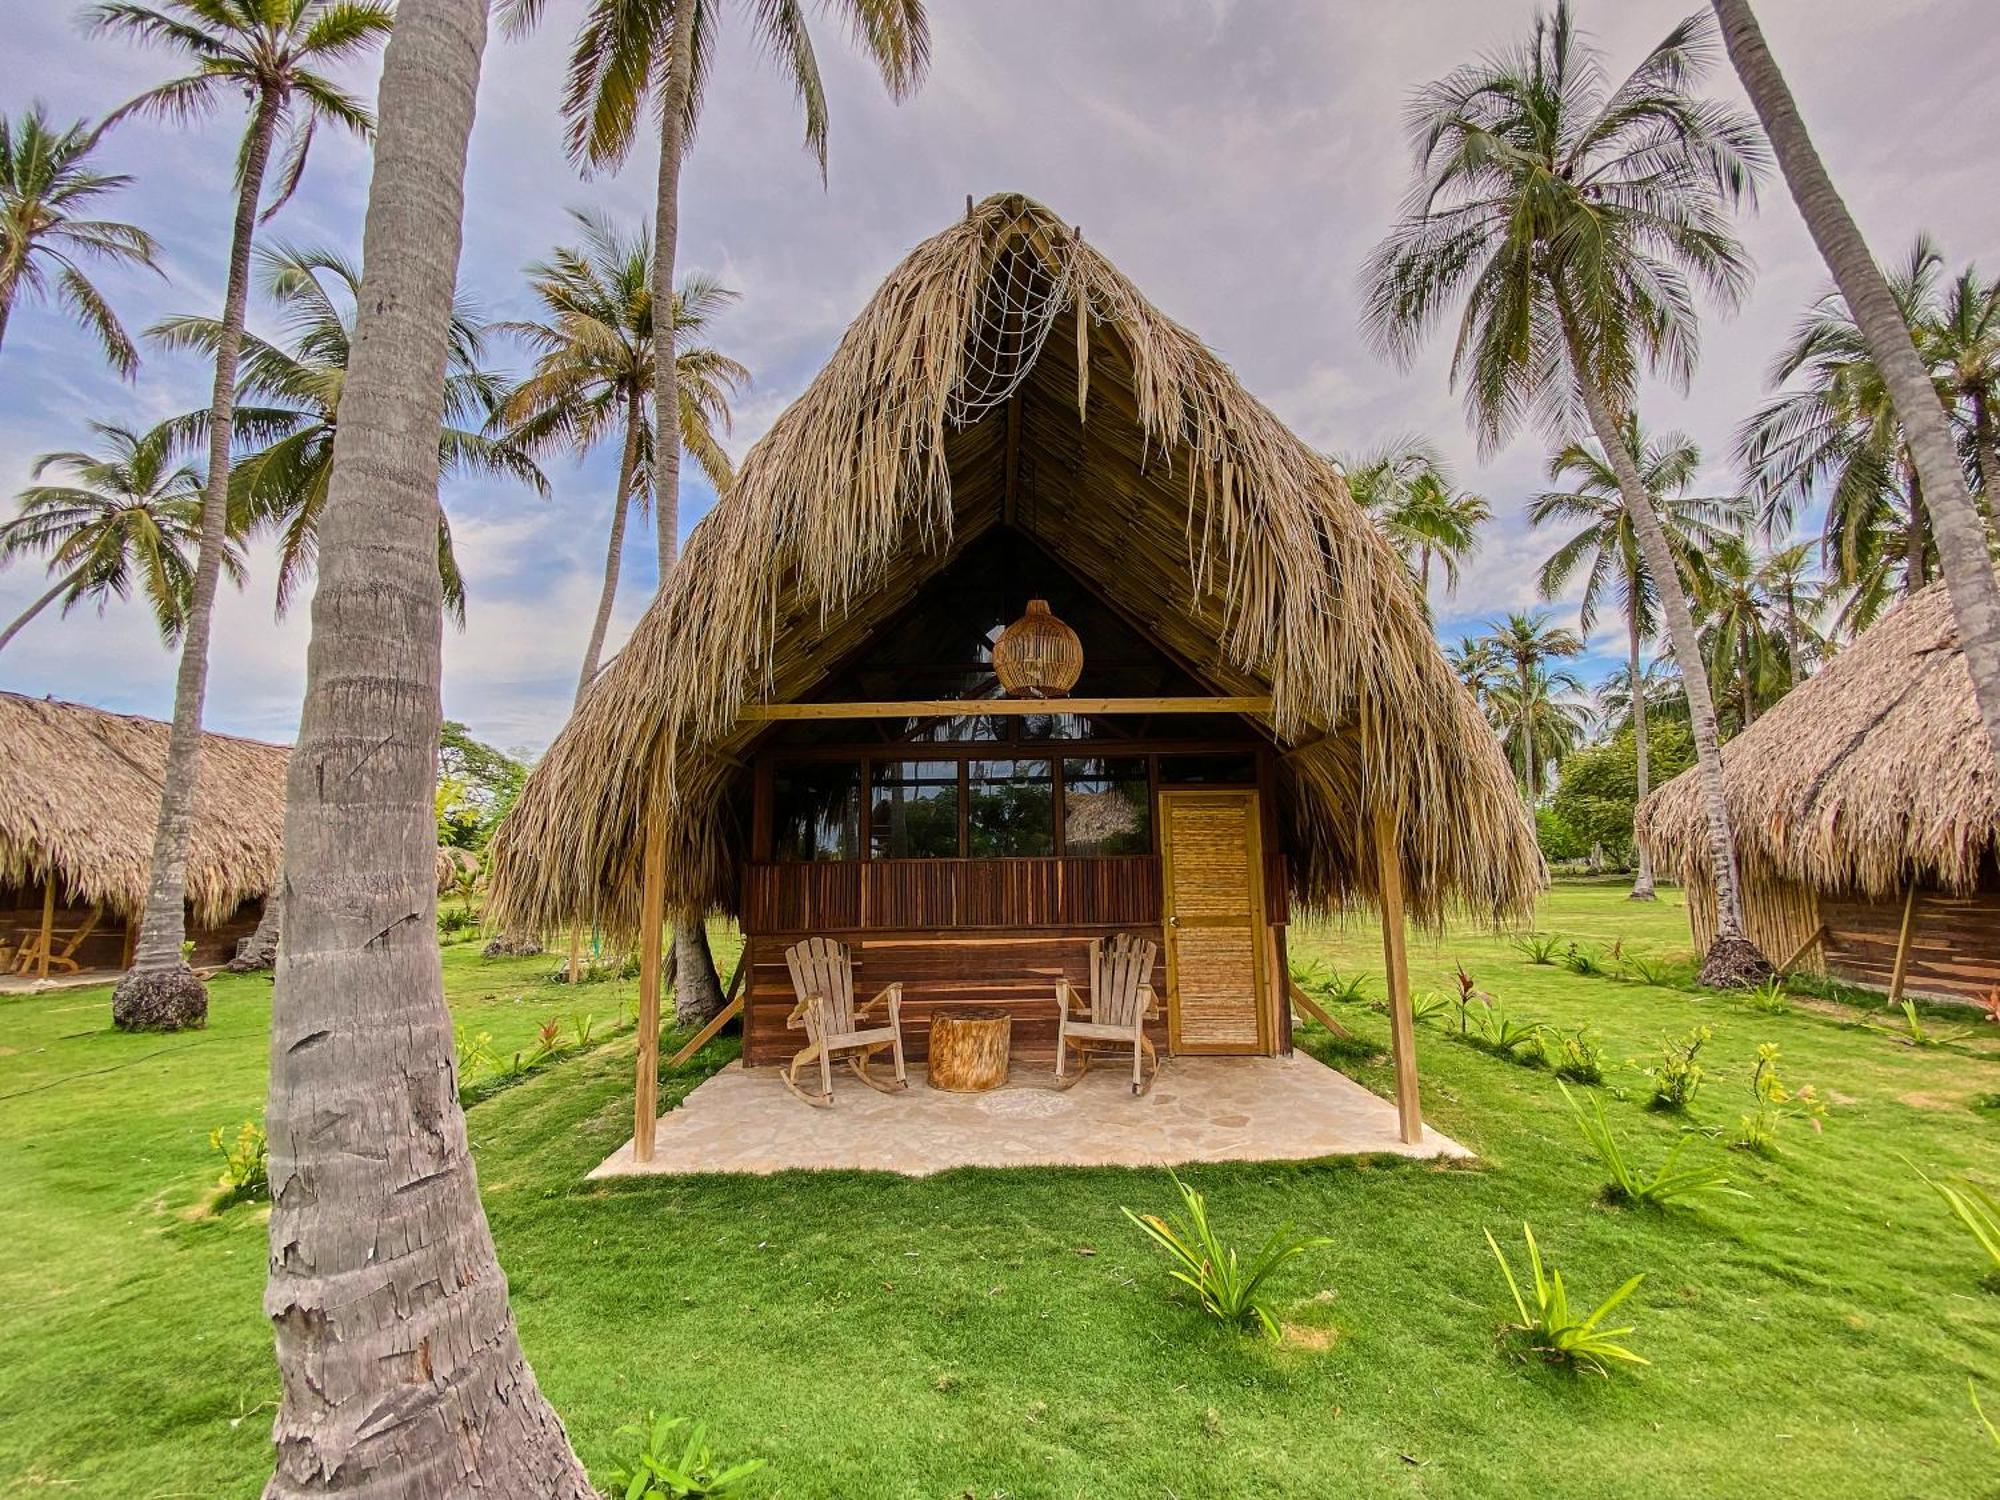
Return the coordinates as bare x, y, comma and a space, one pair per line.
1867, 818
79, 798
1025, 625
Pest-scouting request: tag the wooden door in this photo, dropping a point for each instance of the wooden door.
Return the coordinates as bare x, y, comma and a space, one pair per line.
1213, 861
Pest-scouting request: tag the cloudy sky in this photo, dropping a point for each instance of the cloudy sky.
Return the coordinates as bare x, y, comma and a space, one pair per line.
1236, 157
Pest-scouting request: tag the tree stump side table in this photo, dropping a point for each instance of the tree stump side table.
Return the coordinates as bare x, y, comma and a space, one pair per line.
969, 1047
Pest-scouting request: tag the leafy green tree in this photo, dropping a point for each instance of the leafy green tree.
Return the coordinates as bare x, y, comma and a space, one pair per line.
1599, 790
46, 183
1574, 217
1557, 839
593, 376
1605, 545
268, 53
128, 516
296, 385
489, 779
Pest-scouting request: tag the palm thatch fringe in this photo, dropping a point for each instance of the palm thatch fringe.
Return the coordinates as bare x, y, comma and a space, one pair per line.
1177, 493
80, 792
1872, 773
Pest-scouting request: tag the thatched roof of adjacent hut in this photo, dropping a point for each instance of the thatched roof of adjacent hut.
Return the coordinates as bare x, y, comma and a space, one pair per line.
1143, 464
1871, 772
80, 788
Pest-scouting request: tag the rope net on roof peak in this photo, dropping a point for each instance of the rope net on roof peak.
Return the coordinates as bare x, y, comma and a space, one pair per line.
1018, 305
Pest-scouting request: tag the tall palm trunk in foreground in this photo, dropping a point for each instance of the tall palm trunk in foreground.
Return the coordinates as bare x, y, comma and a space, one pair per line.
1642, 881
614, 548
160, 990
402, 1374
1955, 523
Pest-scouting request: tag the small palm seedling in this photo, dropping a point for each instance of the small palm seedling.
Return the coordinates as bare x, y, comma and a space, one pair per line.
1677, 1078
1913, 1032
1627, 1185
1351, 991
1231, 1288
1976, 1208
1427, 1005
1538, 947
1499, 1033
666, 1466
1661, 973
1552, 1326
581, 1025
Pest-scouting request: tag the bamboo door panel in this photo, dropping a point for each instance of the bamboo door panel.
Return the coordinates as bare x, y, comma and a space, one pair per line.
1214, 922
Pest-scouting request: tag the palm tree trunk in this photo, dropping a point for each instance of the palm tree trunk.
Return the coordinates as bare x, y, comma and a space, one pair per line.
158, 970
1528, 743
1961, 536
38, 606
614, 549
1916, 546
666, 236
401, 1370
6, 308
1723, 961
1642, 882
1424, 577
697, 987
1985, 450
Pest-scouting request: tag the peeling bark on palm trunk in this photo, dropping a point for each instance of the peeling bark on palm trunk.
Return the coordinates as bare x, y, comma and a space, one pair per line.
401, 1371
1642, 883
666, 249
163, 925
697, 987
1960, 534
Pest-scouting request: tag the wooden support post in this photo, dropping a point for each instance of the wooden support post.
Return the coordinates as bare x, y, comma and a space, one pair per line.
1803, 949
1396, 959
1902, 969
652, 925
48, 916
733, 1006
1301, 1001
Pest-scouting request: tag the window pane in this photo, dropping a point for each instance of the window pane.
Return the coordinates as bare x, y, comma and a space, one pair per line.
1107, 807
913, 809
816, 811
1010, 808
1209, 770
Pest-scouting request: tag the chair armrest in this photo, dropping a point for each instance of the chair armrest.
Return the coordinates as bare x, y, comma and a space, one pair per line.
893, 993
806, 1005
1149, 1002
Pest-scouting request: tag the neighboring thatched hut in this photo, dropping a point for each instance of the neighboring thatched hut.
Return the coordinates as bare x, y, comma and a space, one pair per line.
806, 729
1867, 817
79, 797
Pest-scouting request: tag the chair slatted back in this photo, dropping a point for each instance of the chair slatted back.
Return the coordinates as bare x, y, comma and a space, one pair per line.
823, 966
1119, 969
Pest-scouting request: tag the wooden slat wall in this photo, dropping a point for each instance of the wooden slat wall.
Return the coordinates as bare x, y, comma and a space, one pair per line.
1778, 915
908, 894
1954, 942
1015, 969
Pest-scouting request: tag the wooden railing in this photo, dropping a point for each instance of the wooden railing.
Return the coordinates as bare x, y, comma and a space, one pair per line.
930, 894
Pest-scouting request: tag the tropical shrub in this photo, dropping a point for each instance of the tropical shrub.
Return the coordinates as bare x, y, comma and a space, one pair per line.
668, 1465
1553, 1328
1664, 973
1770, 997
455, 922
1351, 991
1758, 1130
1913, 1032
1581, 961
1495, 1031
1627, 1185
1538, 947
1231, 1288
1467, 993
1579, 1056
473, 1053
246, 1163
1678, 1075
581, 1025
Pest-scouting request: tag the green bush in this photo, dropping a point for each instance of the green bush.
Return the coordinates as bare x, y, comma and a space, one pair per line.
1758, 1130
1553, 1328
1538, 947
668, 1466
1677, 1077
246, 1163
1231, 1289
1579, 1056
1626, 1184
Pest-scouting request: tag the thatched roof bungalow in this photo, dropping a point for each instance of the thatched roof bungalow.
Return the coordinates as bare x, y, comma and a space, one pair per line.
806, 729
1867, 817
79, 796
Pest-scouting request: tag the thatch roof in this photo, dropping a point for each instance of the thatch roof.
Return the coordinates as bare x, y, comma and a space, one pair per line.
1143, 464
1871, 772
80, 787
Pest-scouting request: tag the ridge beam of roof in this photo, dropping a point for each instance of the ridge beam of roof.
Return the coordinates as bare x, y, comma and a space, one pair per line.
958, 708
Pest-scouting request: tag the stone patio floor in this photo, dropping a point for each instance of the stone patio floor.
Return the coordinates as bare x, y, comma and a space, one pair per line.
1201, 1109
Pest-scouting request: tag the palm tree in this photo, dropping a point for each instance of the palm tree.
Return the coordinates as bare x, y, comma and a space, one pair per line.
1409, 492
1964, 555
297, 385
630, 56
45, 181
1528, 645
1659, 684
1575, 218
1537, 727
1964, 344
128, 514
388, 1304
1477, 665
1836, 436
267, 51
1606, 544
1743, 651
593, 375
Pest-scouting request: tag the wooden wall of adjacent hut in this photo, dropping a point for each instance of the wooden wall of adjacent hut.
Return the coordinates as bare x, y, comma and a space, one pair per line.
1954, 939
105, 948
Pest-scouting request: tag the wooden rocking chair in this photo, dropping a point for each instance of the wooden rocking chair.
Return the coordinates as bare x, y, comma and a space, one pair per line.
62, 947
1121, 997
823, 981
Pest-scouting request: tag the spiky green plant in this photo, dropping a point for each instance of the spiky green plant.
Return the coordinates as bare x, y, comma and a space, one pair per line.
1976, 1208
1231, 1288
1627, 1184
1552, 1326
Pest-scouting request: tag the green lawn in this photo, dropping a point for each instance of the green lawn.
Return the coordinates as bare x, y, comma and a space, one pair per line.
995, 1334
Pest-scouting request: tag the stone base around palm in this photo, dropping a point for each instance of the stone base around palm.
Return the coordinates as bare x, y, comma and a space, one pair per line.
163, 1000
